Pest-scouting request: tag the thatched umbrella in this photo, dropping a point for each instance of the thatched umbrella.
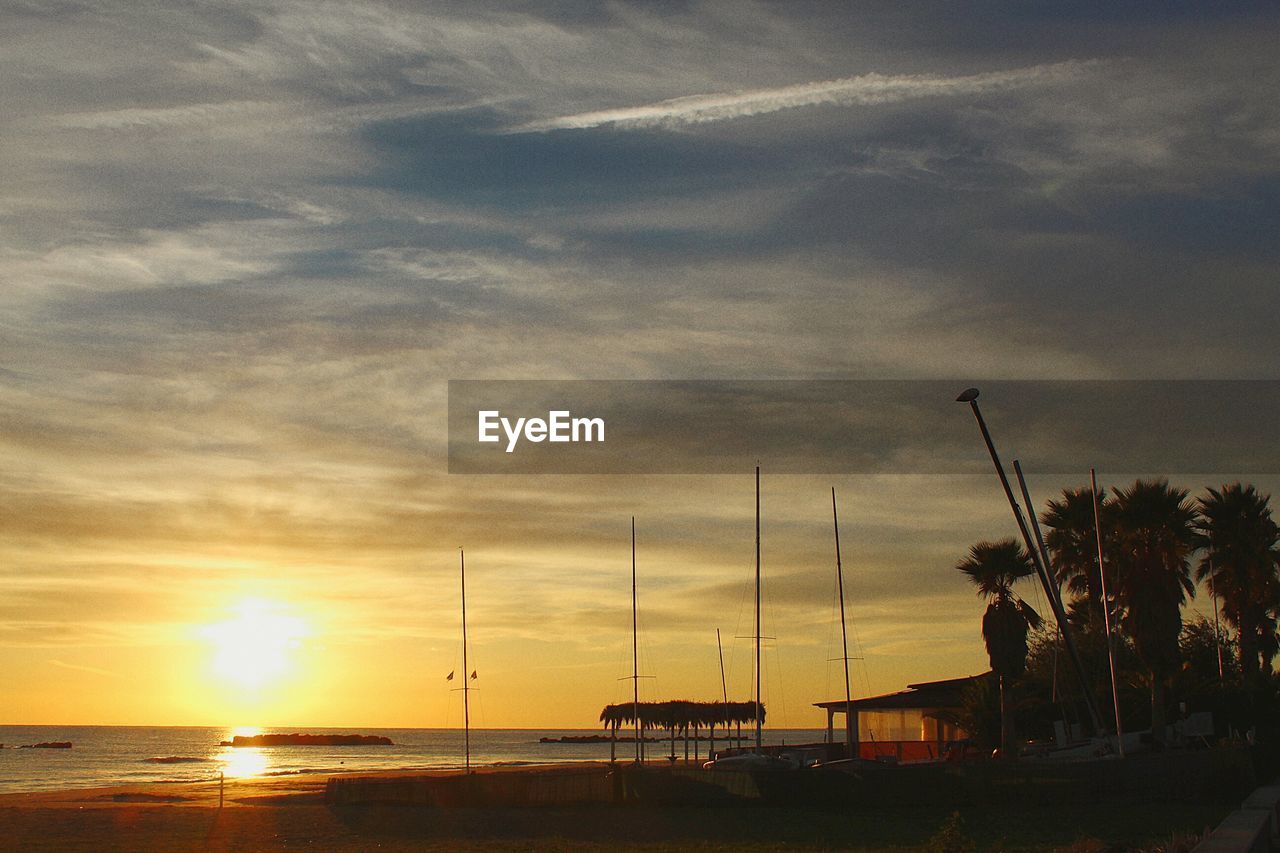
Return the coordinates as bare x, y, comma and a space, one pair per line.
678, 714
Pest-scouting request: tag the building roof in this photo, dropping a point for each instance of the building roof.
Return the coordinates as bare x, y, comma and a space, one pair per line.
948, 693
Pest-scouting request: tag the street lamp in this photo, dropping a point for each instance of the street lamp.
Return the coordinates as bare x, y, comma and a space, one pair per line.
970, 396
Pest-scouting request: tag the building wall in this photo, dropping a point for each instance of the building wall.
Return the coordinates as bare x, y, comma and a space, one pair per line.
905, 724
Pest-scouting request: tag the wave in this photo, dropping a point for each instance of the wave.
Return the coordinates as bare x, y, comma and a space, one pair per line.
178, 759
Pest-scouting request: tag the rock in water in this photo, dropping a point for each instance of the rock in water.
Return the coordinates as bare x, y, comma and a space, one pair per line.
308, 740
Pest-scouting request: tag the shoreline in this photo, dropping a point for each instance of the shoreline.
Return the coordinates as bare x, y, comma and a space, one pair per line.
204, 792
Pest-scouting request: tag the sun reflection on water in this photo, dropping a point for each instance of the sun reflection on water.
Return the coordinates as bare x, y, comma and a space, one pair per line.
243, 762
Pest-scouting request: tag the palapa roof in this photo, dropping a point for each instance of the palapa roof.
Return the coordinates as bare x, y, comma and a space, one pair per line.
948, 693
681, 712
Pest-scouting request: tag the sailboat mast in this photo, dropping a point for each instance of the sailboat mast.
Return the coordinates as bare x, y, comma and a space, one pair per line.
635, 647
1106, 611
759, 722
466, 673
844, 631
1217, 635
724, 687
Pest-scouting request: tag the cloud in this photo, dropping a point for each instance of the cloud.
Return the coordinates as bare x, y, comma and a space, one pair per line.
183, 116
81, 668
864, 90
246, 244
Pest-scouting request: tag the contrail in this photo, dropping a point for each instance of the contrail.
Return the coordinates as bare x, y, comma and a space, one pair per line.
865, 89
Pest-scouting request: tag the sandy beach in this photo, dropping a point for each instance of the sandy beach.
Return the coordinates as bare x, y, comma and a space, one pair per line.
289, 813
285, 813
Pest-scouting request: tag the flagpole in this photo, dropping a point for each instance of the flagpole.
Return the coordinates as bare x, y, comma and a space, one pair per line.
466, 677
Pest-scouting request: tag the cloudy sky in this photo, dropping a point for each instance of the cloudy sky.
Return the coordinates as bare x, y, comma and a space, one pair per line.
245, 244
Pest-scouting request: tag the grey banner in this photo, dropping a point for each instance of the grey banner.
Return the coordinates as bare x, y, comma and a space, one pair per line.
862, 426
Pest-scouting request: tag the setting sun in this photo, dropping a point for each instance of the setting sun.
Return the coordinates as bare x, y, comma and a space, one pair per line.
254, 647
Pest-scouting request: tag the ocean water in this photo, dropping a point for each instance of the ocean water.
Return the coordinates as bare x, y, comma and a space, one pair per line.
116, 755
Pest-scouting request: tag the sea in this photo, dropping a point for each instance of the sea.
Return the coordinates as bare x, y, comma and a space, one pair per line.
120, 755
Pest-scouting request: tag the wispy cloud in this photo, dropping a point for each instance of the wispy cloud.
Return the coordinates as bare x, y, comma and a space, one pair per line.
148, 117
865, 89
81, 668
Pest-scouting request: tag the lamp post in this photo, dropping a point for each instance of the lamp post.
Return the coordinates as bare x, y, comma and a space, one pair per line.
970, 396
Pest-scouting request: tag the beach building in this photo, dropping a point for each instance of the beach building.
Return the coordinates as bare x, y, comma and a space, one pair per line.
915, 724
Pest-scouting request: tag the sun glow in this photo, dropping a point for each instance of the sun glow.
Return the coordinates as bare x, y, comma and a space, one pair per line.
254, 648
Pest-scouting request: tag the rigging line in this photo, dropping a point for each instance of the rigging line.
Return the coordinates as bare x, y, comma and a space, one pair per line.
831, 631
776, 678
619, 657
744, 591
860, 653
857, 652
773, 662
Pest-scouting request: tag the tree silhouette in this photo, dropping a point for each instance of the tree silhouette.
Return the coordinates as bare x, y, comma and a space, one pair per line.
1240, 563
994, 567
1071, 538
1152, 528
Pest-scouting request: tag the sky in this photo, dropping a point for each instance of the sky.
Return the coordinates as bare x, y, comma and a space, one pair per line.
245, 245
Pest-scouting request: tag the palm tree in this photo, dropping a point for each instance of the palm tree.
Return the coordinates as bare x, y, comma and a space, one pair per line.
1152, 528
1241, 553
1073, 544
994, 567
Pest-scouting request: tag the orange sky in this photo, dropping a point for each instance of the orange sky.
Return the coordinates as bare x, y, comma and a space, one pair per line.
232, 615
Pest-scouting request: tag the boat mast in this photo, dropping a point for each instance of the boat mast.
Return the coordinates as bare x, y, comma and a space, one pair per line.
1217, 636
759, 722
635, 648
844, 632
724, 688
1106, 611
466, 674
970, 396
1055, 589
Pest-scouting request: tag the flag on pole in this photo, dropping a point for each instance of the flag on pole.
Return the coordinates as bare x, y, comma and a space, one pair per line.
449, 677
473, 675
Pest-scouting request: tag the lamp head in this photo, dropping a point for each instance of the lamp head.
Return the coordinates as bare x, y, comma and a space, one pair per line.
968, 395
